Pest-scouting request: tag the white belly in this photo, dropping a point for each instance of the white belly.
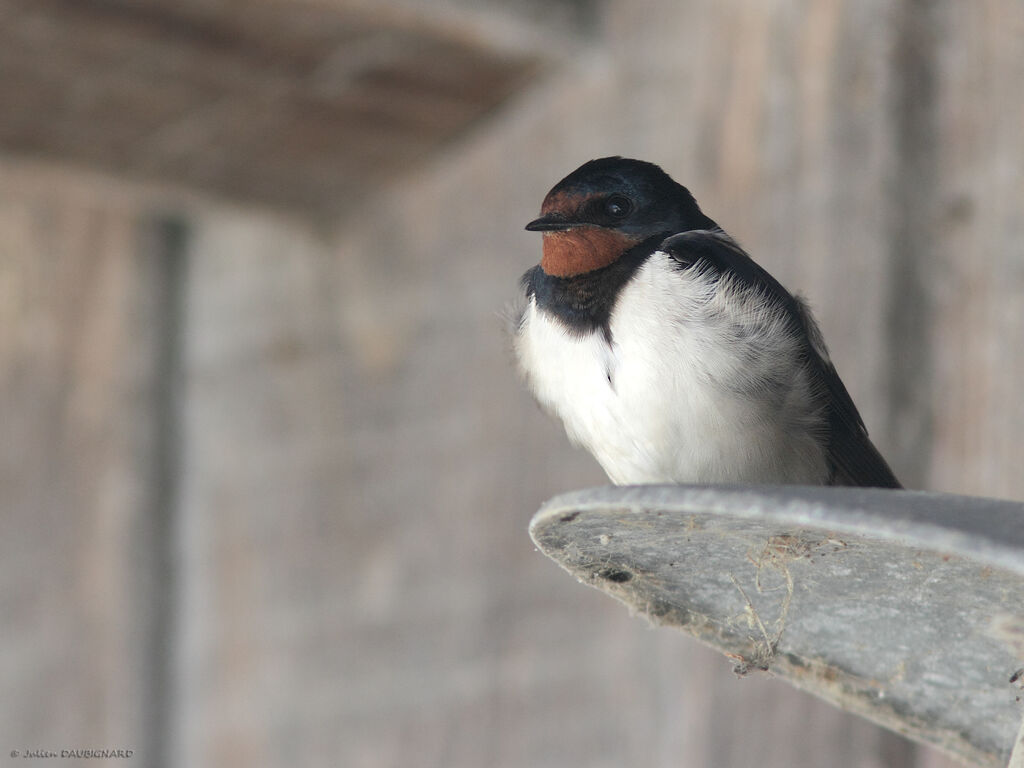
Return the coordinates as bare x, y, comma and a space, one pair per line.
680, 393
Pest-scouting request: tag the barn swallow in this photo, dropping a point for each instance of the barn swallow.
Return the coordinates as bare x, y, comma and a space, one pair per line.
669, 354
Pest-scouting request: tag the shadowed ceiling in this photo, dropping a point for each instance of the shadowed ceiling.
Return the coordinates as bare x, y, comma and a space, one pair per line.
291, 103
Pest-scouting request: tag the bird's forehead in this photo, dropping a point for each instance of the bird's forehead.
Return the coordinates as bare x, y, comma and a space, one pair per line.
569, 194
564, 200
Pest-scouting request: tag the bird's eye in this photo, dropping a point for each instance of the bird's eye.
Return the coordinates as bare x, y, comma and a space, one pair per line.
618, 206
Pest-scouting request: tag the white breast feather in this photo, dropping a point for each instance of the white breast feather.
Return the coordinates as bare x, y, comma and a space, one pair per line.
701, 383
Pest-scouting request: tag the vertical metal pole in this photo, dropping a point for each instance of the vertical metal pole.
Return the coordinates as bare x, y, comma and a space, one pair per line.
914, 192
167, 238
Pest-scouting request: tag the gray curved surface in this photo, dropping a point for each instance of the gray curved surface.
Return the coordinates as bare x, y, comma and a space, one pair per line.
904, 607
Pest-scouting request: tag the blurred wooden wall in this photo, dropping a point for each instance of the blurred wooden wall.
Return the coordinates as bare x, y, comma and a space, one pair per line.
265, 484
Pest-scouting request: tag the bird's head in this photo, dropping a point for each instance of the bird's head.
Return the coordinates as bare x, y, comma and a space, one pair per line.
605, 208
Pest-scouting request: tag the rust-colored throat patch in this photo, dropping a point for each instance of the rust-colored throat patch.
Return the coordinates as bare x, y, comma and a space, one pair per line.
574, 251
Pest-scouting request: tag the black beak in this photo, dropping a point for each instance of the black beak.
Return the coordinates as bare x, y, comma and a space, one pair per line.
551, 222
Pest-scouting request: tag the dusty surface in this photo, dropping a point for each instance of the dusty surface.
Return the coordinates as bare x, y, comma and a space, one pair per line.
903, 607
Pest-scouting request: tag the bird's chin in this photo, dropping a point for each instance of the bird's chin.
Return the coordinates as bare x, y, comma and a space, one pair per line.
572, 252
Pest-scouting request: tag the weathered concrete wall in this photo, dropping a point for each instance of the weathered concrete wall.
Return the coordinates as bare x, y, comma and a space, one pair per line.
78, 341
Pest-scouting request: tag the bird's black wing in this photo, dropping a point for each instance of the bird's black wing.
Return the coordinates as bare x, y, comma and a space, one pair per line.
852, 458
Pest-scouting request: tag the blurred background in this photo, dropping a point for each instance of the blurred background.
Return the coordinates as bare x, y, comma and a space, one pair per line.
265, 466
